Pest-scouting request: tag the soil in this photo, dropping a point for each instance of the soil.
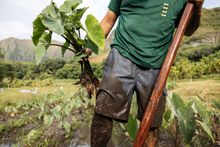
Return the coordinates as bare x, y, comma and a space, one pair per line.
79, 137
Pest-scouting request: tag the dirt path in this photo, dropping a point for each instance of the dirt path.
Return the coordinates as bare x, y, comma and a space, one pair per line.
206, 89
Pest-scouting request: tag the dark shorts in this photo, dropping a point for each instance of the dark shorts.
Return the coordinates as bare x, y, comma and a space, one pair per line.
120, 80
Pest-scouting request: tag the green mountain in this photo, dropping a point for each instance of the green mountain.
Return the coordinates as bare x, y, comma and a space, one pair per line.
23, 50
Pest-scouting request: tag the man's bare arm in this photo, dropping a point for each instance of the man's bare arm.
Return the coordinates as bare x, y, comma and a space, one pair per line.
195, 20
108, 22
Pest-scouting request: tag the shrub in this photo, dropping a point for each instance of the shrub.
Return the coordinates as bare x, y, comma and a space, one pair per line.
69, 71
51, 65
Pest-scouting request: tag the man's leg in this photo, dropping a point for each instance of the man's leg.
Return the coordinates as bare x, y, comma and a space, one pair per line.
145, 83
113, 99
152, 138
100, 130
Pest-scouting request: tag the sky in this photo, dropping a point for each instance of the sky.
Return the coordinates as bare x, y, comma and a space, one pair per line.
16, 16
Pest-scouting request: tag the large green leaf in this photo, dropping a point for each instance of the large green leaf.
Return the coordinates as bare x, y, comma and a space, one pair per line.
68, 108
69, 5
64, 48
77, 15
95, 32
175, 102
185, 116
132, 127
44, 43
79, 56
51, 18
67, 127
40, 51
216, 104
57, 112
48, 119
187, 123
91, 45
168, 118
38, 30
206, 129
201, 110
80, 26
34, 134
73, 20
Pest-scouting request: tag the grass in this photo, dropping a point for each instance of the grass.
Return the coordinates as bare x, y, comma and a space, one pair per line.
207, 89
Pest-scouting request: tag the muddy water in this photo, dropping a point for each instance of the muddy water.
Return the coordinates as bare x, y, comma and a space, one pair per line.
6, 145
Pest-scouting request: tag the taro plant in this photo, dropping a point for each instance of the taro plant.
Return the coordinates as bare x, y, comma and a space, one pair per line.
190, 121
66, 22
57, 108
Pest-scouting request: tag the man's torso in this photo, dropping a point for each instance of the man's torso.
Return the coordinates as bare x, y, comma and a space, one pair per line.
145, 29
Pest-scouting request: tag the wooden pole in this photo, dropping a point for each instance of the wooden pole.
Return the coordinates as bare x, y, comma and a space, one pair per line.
161, 80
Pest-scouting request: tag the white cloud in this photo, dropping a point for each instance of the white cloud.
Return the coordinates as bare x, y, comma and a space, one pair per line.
15, 29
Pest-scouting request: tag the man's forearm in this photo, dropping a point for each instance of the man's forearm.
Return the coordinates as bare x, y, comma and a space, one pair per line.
193, 24
108, 22
195, 20
106, 27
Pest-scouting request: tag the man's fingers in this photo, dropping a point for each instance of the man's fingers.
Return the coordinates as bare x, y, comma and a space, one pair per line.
88, 51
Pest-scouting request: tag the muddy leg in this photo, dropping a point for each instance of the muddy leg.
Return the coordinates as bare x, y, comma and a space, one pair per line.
100, 130
151, 140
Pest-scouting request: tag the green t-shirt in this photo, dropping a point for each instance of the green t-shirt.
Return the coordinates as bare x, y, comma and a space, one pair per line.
145, 29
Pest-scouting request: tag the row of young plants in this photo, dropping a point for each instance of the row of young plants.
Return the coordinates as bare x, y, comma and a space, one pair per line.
52, 115
191, 123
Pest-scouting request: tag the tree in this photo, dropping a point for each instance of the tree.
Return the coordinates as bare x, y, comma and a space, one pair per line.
52, 65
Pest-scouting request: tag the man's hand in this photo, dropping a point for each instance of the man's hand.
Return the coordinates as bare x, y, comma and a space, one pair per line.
88, 51
197, 5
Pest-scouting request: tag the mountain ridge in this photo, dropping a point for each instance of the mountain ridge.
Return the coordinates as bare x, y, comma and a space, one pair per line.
23, 50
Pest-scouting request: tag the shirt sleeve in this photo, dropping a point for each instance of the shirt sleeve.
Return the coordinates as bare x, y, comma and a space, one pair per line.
114, 6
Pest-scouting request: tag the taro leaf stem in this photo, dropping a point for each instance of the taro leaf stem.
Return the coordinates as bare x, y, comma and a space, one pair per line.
64, 47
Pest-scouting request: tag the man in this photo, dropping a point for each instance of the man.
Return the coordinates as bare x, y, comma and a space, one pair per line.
142, 38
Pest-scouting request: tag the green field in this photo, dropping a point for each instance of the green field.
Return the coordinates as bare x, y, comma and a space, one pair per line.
13, 95
55, 114
206, 88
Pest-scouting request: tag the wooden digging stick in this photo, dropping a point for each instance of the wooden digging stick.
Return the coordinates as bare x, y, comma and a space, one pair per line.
161, 80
